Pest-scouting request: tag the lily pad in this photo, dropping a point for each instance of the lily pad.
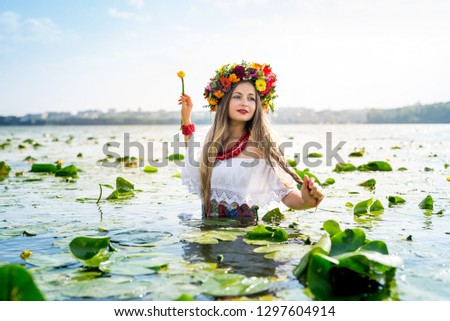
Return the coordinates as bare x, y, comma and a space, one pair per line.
396, 200
362, 207
91, 251
359, 153
175, 157
347, 241
212, 236
344, 167
139, 237
234, 285
17, 284
43, 168
267, 233
315, 155
4, 170
68, 171
122, 185
332, 227
283, 252
51, 260
376, 207
150, 169
376, 166
427, 203
273, 215
369, 183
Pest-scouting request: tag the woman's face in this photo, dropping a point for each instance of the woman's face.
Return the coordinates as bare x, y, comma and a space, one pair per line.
242, 103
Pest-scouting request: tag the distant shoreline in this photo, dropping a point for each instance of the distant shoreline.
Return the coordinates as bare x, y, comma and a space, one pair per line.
438, 113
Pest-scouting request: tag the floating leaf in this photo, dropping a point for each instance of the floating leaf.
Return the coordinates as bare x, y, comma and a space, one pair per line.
70, 170
175, 157
133, 267
90, 251
329, 181
376, 166
332, 227
359, 153
4, 170
402, 169
369, 183
150, 169
376, 207
224, 285
349, 204
212, 236
122, 185
273, 215
17, 284
344, 167
43, 168
292, 162
315, 155
362, 207
185, 297
427, 203
139, 237
50, 260
396, 200
267, 233
283, 252
346, 241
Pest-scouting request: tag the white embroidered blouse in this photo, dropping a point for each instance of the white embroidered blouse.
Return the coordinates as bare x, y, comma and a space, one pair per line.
237, 180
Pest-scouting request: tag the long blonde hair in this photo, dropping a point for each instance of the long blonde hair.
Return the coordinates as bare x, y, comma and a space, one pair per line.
261, 137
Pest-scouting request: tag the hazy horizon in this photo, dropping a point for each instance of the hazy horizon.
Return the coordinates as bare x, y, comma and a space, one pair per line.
124, 54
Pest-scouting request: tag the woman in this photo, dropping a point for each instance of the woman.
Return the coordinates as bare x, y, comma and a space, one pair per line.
241, 167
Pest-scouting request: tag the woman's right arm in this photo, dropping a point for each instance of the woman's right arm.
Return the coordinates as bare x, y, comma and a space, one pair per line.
186, 109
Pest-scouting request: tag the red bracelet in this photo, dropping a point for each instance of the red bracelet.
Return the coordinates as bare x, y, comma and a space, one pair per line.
188, 129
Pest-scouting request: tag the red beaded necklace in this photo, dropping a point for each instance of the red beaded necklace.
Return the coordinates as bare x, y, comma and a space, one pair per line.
236, 149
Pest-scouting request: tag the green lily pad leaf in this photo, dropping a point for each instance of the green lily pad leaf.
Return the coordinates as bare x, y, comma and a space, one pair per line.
70, 170
175, 157
369, 263
329, 181
332, 227
359, 153
376, 166
135, 267
267, 233
376, 207
322, 246
212, 236
292, 162
4, 170
315, 155
376, 246
369, 183
402, 169
123, 186
119, 287
344, 167
51, 260
43, 168
349, 204
427, 203
150, 169
317, 275
306, 171
185, 297
362, 207
17, 284
90, 251
139, 237
177, 175
224, 285
396, 200
283, 252
273, 215
347, 240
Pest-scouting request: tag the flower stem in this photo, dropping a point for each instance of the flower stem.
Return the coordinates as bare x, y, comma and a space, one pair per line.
182, 86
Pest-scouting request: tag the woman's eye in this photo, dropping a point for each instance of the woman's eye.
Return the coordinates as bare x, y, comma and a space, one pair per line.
252, 99
236, 97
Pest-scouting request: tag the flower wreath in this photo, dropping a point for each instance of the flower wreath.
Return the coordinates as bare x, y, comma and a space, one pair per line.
261, 75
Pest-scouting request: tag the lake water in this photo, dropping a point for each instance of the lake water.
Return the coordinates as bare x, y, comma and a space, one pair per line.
163, 217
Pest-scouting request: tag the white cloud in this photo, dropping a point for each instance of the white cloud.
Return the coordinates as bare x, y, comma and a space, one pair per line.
16, 29
113, 12
136, 3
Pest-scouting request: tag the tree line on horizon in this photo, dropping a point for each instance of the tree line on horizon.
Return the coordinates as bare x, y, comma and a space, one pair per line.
430, 113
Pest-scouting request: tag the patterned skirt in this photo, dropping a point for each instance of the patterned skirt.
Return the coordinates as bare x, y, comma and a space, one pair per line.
242, 213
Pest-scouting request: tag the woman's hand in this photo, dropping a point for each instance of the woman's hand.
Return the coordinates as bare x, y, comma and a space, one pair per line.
186, 108
312, 193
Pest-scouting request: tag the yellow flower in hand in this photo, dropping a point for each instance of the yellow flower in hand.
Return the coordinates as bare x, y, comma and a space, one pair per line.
181, 74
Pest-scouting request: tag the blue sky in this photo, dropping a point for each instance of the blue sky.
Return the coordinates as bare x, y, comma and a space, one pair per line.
124, 54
